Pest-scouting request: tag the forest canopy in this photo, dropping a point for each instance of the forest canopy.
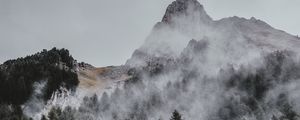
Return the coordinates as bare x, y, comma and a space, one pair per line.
55, 67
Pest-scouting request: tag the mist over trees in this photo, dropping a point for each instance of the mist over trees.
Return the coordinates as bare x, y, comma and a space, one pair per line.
250, 97
55, 67
231, 69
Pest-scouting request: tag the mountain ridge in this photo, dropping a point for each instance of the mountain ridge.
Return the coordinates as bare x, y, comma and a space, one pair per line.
188, 24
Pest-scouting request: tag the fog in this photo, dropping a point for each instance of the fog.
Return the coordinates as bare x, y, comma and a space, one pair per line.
228, 69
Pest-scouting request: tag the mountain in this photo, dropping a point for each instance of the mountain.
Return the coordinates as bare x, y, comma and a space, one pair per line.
228, 69
185, 20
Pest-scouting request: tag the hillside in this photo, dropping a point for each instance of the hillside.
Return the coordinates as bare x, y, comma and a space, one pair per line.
18, 78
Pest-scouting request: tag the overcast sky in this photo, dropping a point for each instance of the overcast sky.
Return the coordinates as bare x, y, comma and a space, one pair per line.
106, 32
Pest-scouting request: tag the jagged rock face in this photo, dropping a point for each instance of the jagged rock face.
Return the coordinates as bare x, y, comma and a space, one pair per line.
186, 8
194, 49
150, 64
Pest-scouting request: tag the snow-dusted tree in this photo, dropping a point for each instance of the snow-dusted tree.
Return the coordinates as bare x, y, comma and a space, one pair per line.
176, 116
55, 113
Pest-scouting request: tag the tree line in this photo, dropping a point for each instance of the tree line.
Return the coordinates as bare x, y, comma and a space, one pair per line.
17, 77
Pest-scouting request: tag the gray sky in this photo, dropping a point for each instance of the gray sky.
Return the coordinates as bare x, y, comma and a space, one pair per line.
106, 32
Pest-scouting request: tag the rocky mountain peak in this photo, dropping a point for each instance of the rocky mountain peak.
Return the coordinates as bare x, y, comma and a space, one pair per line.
184, 7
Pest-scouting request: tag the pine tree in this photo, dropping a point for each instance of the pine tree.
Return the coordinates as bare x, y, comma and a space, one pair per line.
68, 113
176, 116
104, 102
55, 113
43, 117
